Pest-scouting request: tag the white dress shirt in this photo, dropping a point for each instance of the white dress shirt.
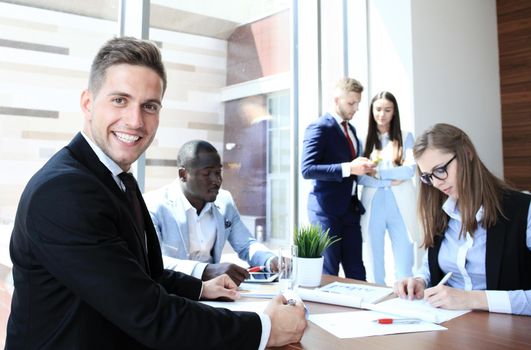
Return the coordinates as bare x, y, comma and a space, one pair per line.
465, 258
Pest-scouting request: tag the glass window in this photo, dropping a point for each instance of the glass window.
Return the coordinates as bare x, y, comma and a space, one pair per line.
228, 83
46, 48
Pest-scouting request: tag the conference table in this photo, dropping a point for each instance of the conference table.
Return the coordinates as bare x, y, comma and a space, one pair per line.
474, 330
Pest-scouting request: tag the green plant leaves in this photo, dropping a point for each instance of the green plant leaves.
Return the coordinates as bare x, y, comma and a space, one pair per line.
311, 241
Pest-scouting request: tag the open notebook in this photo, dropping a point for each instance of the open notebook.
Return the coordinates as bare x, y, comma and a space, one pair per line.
345, 294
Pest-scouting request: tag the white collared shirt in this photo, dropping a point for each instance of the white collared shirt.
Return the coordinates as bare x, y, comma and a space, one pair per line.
202, 230
465, 258
107, 161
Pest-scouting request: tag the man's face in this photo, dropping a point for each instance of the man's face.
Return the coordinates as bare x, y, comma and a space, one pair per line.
123, 116
347, 105
201, 182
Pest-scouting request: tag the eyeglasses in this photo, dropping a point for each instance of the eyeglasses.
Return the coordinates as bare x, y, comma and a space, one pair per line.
439, 173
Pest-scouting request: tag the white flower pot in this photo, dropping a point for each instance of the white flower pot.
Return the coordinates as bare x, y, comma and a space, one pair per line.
309, 271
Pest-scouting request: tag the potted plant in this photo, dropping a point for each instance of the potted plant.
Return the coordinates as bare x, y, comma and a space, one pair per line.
311, 242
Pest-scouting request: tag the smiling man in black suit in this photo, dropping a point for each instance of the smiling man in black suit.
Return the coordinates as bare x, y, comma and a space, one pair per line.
87, 265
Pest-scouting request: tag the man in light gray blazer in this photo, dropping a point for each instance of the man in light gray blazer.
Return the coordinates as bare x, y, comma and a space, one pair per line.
194, 218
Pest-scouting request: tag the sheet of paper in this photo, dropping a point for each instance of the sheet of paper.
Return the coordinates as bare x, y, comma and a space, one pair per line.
417, 309
329, 298
367, 293
253, 306
259, 290
358, 324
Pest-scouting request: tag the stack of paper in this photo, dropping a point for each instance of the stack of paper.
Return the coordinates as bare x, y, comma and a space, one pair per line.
420, 309
259, 290
345, 294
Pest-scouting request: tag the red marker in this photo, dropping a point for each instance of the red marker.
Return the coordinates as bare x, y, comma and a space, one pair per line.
397, 320
256, 269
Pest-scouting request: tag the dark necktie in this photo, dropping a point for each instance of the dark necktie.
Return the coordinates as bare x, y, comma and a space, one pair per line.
350, 144
132, 194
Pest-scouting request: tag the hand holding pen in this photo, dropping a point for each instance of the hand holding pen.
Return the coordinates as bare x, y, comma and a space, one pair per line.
454, 298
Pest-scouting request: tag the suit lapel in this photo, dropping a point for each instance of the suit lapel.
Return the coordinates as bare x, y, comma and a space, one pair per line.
82, 151
220, 233
85, 155
340, 134
494, 253
179, 214
358, 144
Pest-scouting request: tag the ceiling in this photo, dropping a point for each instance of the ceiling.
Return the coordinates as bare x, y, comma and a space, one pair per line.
211, 18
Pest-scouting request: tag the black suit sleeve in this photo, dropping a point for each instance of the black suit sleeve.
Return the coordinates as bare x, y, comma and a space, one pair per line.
77, 231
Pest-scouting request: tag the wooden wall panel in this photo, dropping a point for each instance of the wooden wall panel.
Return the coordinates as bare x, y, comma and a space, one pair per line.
514, 40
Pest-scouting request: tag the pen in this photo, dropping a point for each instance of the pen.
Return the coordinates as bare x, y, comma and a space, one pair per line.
445, 279
256, 269
292, 302
293, 298
397, 320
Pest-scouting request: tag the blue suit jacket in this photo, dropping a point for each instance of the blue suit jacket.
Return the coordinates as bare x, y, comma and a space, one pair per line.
169, 218
325, 147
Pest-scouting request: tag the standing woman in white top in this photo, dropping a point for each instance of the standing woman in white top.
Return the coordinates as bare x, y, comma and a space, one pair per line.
389, 194
475, 226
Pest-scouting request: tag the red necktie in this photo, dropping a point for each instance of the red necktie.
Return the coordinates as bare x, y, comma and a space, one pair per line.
350, 144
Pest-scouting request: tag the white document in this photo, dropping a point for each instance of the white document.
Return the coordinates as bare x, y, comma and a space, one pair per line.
418, 308
345, 294
253, 306
259, 290
358, 324
329, 298
366, 292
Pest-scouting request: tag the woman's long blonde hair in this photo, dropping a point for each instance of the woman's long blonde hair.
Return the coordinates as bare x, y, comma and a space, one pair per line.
476, 185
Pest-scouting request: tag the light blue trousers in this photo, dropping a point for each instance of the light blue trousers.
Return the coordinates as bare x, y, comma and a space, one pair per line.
385, 215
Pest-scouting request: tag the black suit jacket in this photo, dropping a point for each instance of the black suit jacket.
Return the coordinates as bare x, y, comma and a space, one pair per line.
507, 258
83, 279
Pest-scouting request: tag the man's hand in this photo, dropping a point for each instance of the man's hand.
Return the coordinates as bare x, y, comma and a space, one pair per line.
361, 165
220, 287
410, 288
273, 264
451, 298
235, 272
288, 322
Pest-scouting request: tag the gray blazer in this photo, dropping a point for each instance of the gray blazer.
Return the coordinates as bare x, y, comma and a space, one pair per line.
169, 218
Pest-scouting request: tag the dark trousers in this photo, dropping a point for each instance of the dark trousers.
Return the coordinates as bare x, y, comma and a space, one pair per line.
347, 250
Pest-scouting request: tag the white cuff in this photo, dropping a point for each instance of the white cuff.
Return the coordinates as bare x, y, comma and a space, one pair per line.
184, 266
198, 270
345, 169
498, 301
201, 292
266, 330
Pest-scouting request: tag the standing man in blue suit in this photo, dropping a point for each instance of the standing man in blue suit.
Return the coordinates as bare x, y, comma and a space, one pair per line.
194, 218
330, 158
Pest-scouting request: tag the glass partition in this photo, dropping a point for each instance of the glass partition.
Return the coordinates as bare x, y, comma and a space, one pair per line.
228, 83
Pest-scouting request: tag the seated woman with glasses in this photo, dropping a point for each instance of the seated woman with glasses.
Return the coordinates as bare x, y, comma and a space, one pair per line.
475, 226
